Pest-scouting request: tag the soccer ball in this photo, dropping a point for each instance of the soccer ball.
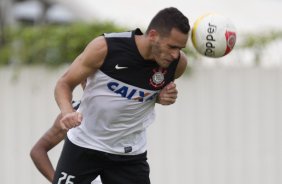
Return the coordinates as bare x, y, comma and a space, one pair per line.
213, 35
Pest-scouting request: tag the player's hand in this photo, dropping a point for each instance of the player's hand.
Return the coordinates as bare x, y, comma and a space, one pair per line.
70, 120
168, 94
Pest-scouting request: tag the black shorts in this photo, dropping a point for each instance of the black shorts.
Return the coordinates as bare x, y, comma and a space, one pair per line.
80, 165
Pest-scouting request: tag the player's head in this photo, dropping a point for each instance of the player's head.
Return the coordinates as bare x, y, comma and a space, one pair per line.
167, 19
168, 34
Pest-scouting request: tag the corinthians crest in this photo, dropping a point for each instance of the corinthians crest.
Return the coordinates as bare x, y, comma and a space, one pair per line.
157, 80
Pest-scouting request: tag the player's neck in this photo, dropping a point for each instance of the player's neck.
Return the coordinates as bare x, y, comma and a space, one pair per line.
144, 47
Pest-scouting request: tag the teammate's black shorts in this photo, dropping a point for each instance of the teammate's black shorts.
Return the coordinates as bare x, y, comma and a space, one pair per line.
80, 165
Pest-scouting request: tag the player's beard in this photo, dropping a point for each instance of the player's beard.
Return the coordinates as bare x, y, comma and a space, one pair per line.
159, 55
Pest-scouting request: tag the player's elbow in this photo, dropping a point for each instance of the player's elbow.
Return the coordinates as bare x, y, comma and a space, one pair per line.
64, 83
33, 153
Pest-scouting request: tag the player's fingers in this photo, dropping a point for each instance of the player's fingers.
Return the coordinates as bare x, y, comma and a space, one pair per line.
69, 125
63, 126
75, 119
170, 86
167, 100
170, 95
79, 117
70, 120
172, 90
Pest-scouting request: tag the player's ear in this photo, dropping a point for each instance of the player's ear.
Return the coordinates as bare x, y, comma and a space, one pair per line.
153, 34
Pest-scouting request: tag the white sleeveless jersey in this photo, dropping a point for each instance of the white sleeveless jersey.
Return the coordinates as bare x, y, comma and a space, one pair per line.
118, 101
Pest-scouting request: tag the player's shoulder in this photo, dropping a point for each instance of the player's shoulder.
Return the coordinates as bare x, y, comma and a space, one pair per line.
182, 64
183, 57
96, 51
98, 42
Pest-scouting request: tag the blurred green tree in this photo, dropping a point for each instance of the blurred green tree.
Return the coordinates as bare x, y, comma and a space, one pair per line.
50, 44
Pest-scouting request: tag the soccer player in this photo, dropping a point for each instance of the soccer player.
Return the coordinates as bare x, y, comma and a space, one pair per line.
127, 73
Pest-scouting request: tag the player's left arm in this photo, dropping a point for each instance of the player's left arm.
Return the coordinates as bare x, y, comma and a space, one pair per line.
168, 94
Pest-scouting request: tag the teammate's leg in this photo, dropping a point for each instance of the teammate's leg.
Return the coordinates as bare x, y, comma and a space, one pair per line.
75, 166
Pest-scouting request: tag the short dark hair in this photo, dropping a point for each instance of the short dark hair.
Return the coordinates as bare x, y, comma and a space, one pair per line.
167, 19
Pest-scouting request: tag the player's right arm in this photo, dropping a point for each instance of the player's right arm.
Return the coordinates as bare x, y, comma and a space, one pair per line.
87, 63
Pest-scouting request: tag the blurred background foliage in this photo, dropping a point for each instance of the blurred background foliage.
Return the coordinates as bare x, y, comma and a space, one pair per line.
53, 45
49, 44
